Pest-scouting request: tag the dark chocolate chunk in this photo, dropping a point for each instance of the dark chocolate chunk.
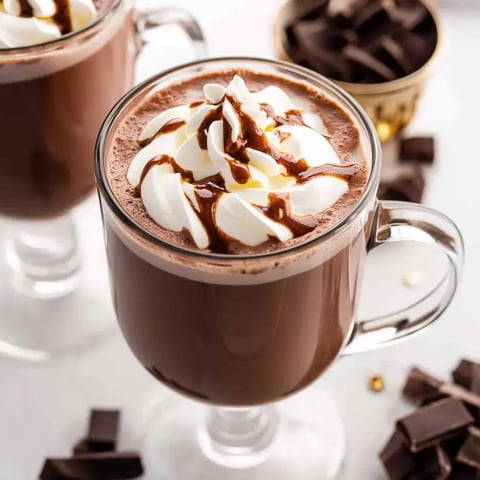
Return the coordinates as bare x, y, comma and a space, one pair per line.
434, 423
94, 466
317, 35
102, 432
83, 446
467, 374
422, 388
432, 464
464, 472
327, 64
410, 15
417, 149
368, 63
415, 46
391, 53
317, 10
103, 428
407, 188
452, 445
397, 459
469, 453
371, 17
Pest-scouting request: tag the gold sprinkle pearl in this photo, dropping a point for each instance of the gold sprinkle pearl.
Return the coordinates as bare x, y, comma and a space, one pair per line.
376, 383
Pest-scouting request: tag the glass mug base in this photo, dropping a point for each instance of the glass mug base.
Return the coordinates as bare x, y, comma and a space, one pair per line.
307, 442
41, 326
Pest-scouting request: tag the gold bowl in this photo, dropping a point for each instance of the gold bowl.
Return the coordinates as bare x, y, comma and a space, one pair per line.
391, 105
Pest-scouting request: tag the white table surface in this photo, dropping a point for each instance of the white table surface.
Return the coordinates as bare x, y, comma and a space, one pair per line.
43, 409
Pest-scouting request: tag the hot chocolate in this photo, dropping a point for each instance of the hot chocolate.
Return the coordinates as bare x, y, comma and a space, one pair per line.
53, 102
269, 315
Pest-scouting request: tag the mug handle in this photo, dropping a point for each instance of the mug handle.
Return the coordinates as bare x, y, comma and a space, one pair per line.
149, 19
399, 222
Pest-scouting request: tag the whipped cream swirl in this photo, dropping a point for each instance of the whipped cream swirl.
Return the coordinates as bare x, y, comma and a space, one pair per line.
32, 22
240, 166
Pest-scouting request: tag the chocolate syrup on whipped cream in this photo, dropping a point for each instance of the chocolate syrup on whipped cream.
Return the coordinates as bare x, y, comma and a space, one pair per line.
341, 133
62, 17
26, 10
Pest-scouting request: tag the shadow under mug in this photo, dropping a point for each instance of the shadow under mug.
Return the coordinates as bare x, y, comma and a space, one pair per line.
54, 97
242, 331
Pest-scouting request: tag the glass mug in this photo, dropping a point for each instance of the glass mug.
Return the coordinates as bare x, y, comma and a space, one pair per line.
54, 97
241, 332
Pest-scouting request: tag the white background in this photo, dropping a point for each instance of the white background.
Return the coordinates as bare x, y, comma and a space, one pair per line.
43, 409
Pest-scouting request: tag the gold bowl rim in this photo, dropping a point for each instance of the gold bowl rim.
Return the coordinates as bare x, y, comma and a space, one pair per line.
371, 88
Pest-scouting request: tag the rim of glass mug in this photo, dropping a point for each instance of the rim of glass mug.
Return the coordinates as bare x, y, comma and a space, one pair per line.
52, 45
331, 89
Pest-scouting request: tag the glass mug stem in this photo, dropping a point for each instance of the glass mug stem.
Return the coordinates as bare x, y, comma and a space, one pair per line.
238, 437
44, 257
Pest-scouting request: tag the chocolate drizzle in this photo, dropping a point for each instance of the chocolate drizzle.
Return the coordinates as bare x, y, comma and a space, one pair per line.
62, 17
209, 190
292, 117
168, 127
278, 209
207, 193
26, 10
202, 132
160, 160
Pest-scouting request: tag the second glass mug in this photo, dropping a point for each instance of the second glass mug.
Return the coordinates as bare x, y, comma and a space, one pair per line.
241, 332
54, 97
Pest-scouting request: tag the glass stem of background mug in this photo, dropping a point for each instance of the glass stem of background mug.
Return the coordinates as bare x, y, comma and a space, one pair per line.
238, 437
44, 257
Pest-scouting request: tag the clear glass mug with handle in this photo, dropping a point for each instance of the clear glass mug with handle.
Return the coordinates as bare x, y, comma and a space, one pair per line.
54, 97
239, 332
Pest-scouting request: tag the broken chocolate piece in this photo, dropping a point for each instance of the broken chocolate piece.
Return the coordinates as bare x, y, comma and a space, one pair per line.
410, 15
422, 388
399, 462
391, 53
464, 472
370, 18
102, 432
467, 374
432, 464
103, 427
415, 46
417, 149
434, 423
469, 453
94, 466
407, 188
315, 35
368, 63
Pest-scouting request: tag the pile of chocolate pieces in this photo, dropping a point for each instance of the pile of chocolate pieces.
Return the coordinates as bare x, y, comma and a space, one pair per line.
95, 457
441, 440
362, 41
